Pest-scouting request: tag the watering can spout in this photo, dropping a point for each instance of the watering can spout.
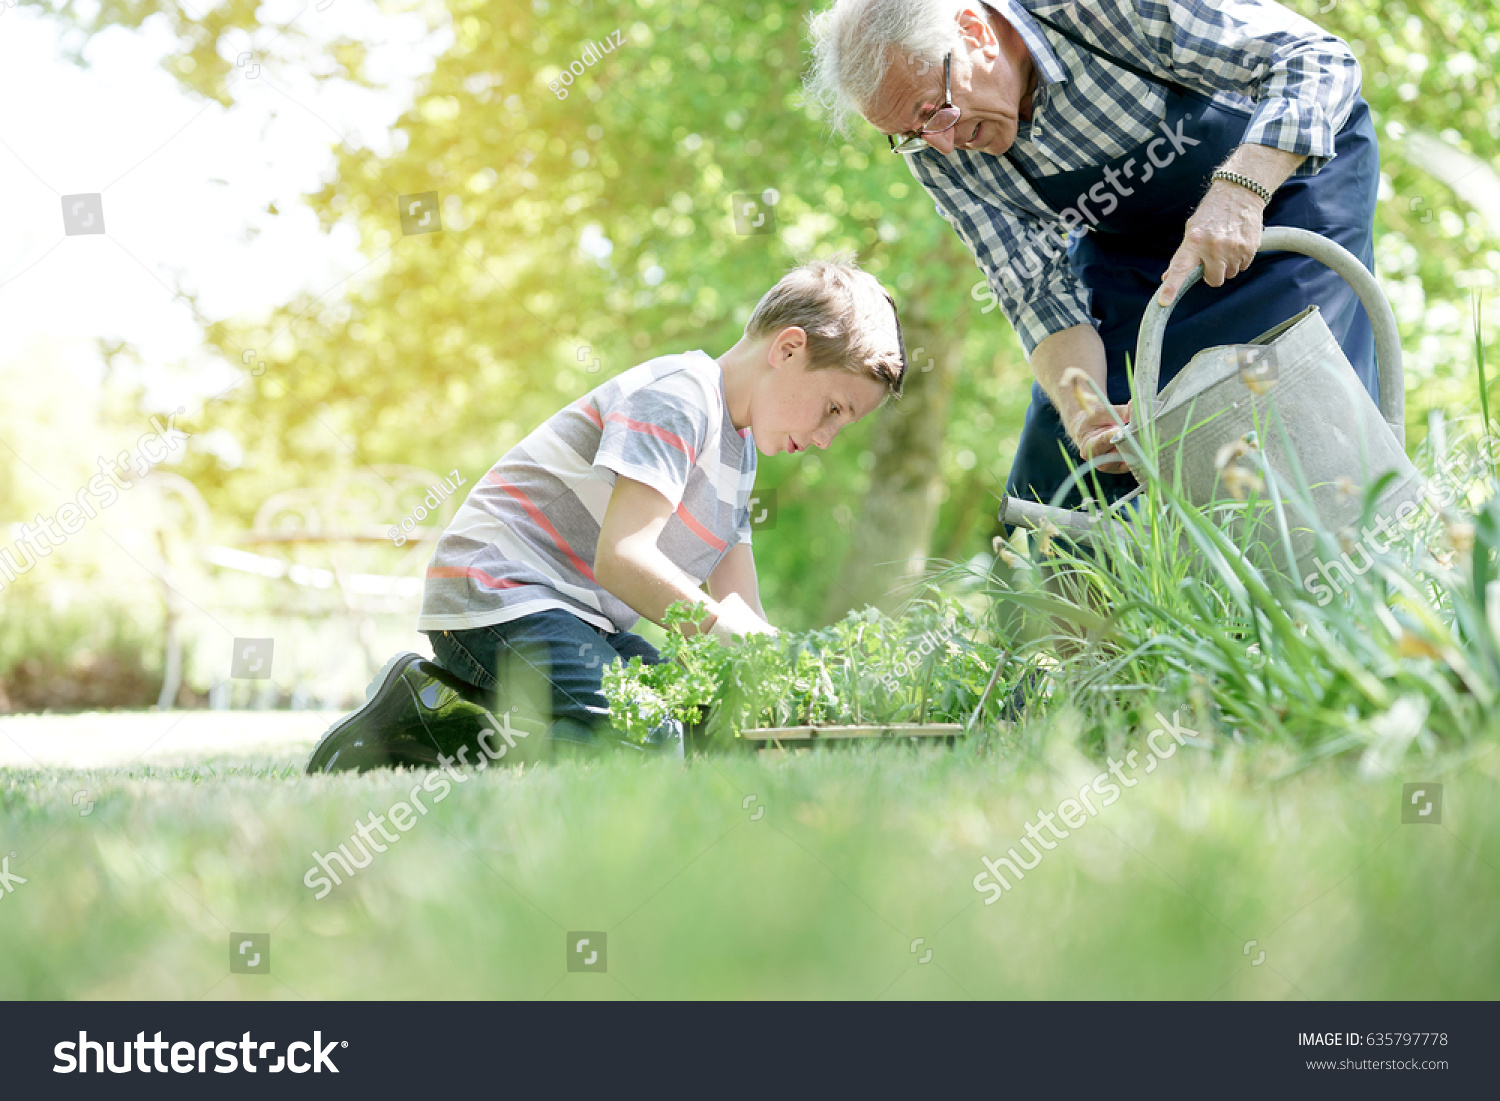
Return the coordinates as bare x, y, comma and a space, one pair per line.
1071, 524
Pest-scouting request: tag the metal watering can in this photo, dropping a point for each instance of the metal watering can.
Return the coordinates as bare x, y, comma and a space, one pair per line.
1294, 380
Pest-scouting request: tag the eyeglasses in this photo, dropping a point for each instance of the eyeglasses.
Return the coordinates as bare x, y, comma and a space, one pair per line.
943, 117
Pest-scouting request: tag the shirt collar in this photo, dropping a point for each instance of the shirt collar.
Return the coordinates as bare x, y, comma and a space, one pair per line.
1049, 68
743, 433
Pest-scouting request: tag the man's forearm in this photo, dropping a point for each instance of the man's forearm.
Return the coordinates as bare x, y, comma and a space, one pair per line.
1266, 166
1078, 347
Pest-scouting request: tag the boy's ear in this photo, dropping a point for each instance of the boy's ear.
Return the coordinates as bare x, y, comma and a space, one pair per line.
787, 344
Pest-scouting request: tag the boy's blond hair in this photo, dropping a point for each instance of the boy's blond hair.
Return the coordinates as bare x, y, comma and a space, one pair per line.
849, 318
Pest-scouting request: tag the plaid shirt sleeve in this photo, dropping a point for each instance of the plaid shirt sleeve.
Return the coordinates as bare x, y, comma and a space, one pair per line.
1008, 245
1298, 82
1303, 80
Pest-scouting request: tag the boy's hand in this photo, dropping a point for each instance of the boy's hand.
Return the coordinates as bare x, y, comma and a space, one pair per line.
737, 618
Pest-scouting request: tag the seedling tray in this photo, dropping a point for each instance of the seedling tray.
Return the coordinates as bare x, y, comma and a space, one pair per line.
808, 736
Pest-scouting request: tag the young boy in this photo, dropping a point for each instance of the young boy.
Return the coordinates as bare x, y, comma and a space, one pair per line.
621, 504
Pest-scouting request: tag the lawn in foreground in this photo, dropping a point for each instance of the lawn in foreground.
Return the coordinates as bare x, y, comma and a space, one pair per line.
819, 875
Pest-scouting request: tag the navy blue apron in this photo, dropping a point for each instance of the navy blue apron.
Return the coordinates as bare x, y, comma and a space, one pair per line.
1122, 259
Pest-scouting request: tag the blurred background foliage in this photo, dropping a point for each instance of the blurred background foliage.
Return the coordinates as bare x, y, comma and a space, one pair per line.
597, 226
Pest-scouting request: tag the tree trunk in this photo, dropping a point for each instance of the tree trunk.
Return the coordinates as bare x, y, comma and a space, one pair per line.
893, 530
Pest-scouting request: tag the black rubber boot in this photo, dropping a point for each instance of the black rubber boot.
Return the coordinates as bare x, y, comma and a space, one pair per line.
1026, 689
416, 712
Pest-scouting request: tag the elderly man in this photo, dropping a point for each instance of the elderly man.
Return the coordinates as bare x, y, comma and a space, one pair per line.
1153, 134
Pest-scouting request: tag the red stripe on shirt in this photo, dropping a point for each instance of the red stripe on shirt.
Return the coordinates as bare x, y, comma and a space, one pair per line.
477, 574
659, 432
542, 522
699, 530
586, 407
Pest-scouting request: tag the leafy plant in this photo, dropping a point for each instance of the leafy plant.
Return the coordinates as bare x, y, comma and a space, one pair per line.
929, 665
643, 697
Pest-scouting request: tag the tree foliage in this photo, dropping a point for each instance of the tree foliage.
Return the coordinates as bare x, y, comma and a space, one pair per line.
589, 226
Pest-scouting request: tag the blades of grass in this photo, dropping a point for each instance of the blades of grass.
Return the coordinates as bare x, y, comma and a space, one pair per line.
1484, 386
1055, 606
1272, 482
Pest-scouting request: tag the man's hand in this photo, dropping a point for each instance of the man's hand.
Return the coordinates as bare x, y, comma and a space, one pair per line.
1223, 235
1091, 430
1224, 232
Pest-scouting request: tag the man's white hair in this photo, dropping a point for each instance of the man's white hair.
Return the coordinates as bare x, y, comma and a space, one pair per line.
856, 43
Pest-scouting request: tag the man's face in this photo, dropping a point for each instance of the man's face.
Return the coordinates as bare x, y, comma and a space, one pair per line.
796, 409
991, 81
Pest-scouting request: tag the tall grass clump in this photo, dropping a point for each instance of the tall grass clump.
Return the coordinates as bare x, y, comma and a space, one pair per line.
1172, 603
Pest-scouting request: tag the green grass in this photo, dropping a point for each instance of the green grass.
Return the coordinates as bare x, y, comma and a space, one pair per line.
814, 875
856, 856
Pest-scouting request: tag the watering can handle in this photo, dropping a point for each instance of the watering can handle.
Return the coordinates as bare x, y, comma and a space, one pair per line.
1341, 260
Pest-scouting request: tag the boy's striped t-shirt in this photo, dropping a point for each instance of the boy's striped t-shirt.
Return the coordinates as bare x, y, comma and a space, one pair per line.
524, 539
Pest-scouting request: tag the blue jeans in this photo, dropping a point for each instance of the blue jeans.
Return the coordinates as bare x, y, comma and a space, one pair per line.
551, 666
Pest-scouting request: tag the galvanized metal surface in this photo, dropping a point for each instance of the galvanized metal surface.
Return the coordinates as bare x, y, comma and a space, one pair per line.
1294, 397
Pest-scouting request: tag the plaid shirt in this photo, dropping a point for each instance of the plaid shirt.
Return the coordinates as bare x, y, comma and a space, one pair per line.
1298, 83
